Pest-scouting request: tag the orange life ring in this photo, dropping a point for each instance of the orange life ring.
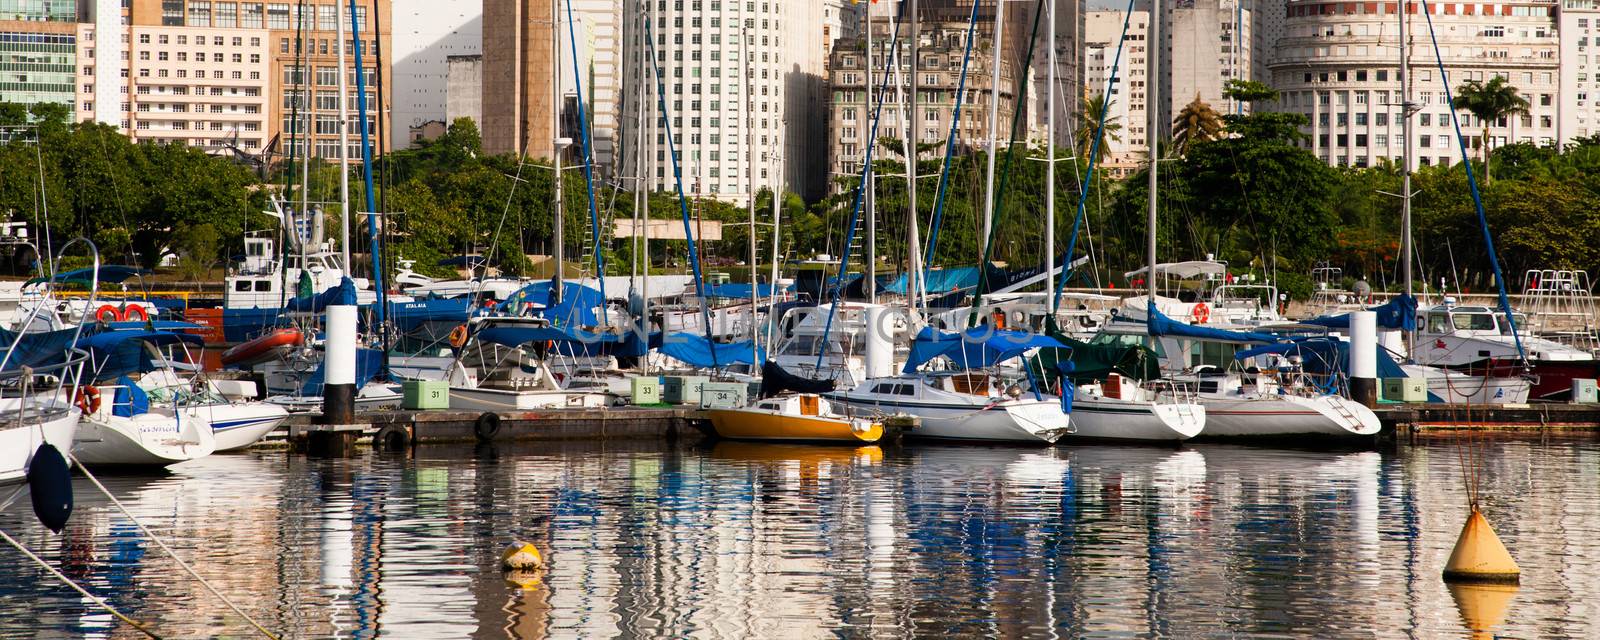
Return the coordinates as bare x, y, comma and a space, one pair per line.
107, 313
130, 312
87, 399
458, 336
1201, 313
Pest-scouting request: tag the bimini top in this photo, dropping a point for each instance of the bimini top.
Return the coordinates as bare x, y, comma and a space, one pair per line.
976, 347
1190, 270
109, 273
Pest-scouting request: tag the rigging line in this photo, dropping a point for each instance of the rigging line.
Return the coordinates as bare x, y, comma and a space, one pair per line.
1001, 195
949, 148
677, 175
1477, 199
588, 169
861, 184
1094, 157
100, 602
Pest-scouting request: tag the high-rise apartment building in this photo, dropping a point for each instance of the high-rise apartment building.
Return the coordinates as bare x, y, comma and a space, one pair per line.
1206, 43
942, 49
1127, 101
202, 86
1339, 64
427, 34
743, 88
464, 90
38, 58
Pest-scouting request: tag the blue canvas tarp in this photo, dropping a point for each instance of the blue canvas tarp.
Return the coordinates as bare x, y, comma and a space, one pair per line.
109, 274
113, 354
35, 349
976, 347
1399, 313
368, 363
737, 290
576, 308
940, 280
694, 350
1161, 325
1323, 355
343, 294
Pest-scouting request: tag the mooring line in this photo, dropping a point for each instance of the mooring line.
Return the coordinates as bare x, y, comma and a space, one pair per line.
62, 577
152, 536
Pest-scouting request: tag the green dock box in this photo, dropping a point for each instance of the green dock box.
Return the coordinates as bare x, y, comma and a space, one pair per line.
723, 395
682, 389
644, 390
1405, 390
425, 394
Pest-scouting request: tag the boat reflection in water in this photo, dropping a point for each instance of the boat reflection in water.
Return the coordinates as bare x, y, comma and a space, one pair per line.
795, 541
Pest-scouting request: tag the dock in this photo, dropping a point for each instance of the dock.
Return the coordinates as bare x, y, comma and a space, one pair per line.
404, 428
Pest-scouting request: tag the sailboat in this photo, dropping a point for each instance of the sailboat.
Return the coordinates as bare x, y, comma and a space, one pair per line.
121, 426
794, 418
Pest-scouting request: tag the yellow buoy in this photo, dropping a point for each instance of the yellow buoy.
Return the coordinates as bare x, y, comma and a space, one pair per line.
1479, 556
525, 579
521, 556
1483, 606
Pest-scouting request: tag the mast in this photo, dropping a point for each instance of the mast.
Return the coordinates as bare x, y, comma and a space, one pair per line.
1405, 158
1050, 171
344, 147
641, 199
777, 237
994, 126
914, 240
314, 223
1153, 71
559, 284
366, 168
750, 179
870, 285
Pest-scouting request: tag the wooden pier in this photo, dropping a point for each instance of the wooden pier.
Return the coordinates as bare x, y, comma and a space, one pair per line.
405, 428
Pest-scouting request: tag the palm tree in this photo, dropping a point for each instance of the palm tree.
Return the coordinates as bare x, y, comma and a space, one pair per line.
1197, 122
1090, 110
1489, 102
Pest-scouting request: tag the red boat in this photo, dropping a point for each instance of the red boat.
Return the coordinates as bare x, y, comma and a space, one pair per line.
262, 349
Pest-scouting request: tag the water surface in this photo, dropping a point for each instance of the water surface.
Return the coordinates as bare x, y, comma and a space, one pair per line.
772, 541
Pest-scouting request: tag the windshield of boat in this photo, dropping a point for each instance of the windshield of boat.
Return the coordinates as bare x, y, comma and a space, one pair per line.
1505, 327
808, 345
1472, 321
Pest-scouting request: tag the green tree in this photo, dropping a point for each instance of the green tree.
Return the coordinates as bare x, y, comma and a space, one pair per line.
1197, 122
1489, 102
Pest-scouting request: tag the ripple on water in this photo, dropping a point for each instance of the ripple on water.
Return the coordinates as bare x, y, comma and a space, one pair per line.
739, 540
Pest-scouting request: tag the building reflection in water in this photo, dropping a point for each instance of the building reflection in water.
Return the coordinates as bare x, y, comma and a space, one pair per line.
746, 540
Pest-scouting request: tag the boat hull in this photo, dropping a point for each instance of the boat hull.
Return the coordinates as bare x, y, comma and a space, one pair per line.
767, 426
18, 441
480, 399
1102, 418
145, 440
1013, 421
1287, 415
1552, 379
236, 426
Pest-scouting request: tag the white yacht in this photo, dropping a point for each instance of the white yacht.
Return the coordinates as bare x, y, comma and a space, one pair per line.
502, 367
1119, 408
1479, 340
961, 406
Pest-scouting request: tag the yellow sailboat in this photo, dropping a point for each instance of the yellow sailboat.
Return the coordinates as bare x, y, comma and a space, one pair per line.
793, 418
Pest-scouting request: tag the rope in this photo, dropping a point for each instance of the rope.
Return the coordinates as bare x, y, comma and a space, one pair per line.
169, 551
75, 587
949, 150
1477, 199
677, 176
861, 187
1094, 158
588, 169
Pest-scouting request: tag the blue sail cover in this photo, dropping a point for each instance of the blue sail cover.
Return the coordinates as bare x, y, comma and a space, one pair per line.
693, 349
343, 294
1324, 355
1160, 325
940, 280
368, 363
1400, 313
976, 347
109, 274
577, 303
737, 290
113, 354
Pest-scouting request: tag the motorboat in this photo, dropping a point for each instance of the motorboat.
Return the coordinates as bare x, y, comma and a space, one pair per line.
128, 431
794, 418
1261, 404
961, 406
502, 367
1464, 388
1480, 341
